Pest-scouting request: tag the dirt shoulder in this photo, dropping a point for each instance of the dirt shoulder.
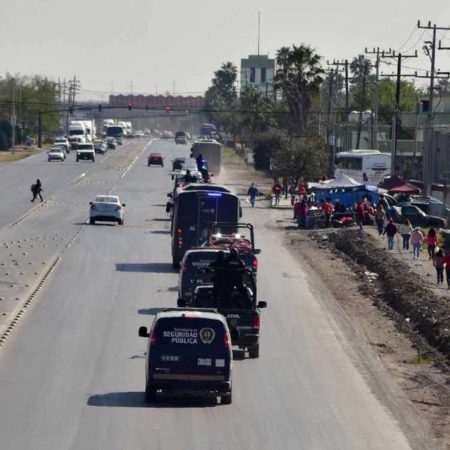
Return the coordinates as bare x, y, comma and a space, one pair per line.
19, 153
360, 300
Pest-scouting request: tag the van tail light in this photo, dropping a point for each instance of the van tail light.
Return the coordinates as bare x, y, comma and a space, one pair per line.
179, 230
255, 263
184, 268
256, 322
227, 340
153, 338
117, 208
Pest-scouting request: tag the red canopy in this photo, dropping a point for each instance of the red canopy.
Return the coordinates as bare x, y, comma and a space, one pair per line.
392, 182
405, 188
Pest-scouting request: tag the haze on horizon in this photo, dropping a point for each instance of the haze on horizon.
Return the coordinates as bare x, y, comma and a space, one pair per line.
149, 45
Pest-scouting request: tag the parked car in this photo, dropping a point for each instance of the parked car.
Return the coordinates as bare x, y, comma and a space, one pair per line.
155, 159
418, 218
106, 208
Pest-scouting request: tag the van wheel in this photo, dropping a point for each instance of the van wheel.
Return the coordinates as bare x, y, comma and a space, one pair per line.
150, 394
253, 352
120, 221
175, 264
227, 399
92, 221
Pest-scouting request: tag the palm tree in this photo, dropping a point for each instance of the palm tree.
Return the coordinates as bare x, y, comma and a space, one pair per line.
298, 77
225, 82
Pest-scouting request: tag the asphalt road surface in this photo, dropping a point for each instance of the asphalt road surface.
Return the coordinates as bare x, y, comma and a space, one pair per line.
72, 370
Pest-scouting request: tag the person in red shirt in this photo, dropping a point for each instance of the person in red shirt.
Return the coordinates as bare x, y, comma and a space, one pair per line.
301, 190
276, 189
438, 263
300, 213
327, 209
432, 241
360, 214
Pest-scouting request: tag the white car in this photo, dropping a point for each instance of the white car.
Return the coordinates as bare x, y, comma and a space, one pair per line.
56, 154
63, 141
106, 208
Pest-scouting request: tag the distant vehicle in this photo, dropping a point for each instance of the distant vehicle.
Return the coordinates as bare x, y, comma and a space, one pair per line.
106, 208
208, 130
365, 166
85, 151
194, 215
178, 162
180, 137
147, 132
105, 124
117, 132
111, 142
211, 151
60, 146
77, 133
56, 154
155, 159
62, 140
189, 352
100, 146
139, 134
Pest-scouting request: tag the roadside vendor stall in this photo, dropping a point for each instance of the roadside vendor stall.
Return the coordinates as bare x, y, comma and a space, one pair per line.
344, 189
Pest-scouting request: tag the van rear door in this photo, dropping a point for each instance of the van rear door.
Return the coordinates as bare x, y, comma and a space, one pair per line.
189, 348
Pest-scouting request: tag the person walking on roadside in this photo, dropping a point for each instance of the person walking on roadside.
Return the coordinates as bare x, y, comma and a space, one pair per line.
405, 229
447, 267
327, 209
390, 230
432, 241
300, 212
380, 217
438, 263
252, 193
360, 214
277, 189
416, 241
36, 189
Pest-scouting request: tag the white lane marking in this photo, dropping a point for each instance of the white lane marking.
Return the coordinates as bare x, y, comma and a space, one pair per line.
137, 157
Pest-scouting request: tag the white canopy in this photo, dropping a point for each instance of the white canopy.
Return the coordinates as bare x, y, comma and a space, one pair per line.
341, 181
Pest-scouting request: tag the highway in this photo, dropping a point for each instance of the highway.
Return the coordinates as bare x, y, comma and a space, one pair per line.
72, 369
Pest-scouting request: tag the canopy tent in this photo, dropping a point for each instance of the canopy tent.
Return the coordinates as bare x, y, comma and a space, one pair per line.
392, 182
405, 188
340, 182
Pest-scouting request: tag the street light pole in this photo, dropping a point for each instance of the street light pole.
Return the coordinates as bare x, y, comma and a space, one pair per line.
13, 116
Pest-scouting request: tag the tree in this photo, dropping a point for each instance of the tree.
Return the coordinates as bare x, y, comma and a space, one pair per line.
255, 112
298, 77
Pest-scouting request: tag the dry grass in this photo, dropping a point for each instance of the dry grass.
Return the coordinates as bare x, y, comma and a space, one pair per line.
7, 156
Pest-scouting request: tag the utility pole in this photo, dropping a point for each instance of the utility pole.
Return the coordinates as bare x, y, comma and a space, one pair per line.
363, 96
13, 116
427, 157
259, 30
330, 96
396, 119
374, 112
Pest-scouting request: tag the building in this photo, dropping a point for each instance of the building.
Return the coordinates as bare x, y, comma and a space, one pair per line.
258, 71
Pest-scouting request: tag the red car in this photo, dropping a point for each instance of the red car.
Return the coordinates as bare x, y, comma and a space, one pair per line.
155, 159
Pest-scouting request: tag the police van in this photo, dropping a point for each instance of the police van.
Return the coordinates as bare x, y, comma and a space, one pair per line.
189, 353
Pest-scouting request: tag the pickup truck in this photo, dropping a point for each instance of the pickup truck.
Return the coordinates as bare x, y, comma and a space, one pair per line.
244, 245
242, 311
418, 218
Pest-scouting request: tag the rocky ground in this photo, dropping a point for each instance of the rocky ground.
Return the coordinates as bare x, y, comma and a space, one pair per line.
384, 298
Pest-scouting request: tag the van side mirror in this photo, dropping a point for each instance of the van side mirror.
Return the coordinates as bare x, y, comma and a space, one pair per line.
170, 195
262, 304
181, 303
123, 204
257, 251
143, 332
90, 203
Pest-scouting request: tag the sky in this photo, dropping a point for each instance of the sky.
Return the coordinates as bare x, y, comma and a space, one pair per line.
148, 46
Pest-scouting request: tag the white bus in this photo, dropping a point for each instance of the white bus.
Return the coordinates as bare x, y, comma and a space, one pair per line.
366, 166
